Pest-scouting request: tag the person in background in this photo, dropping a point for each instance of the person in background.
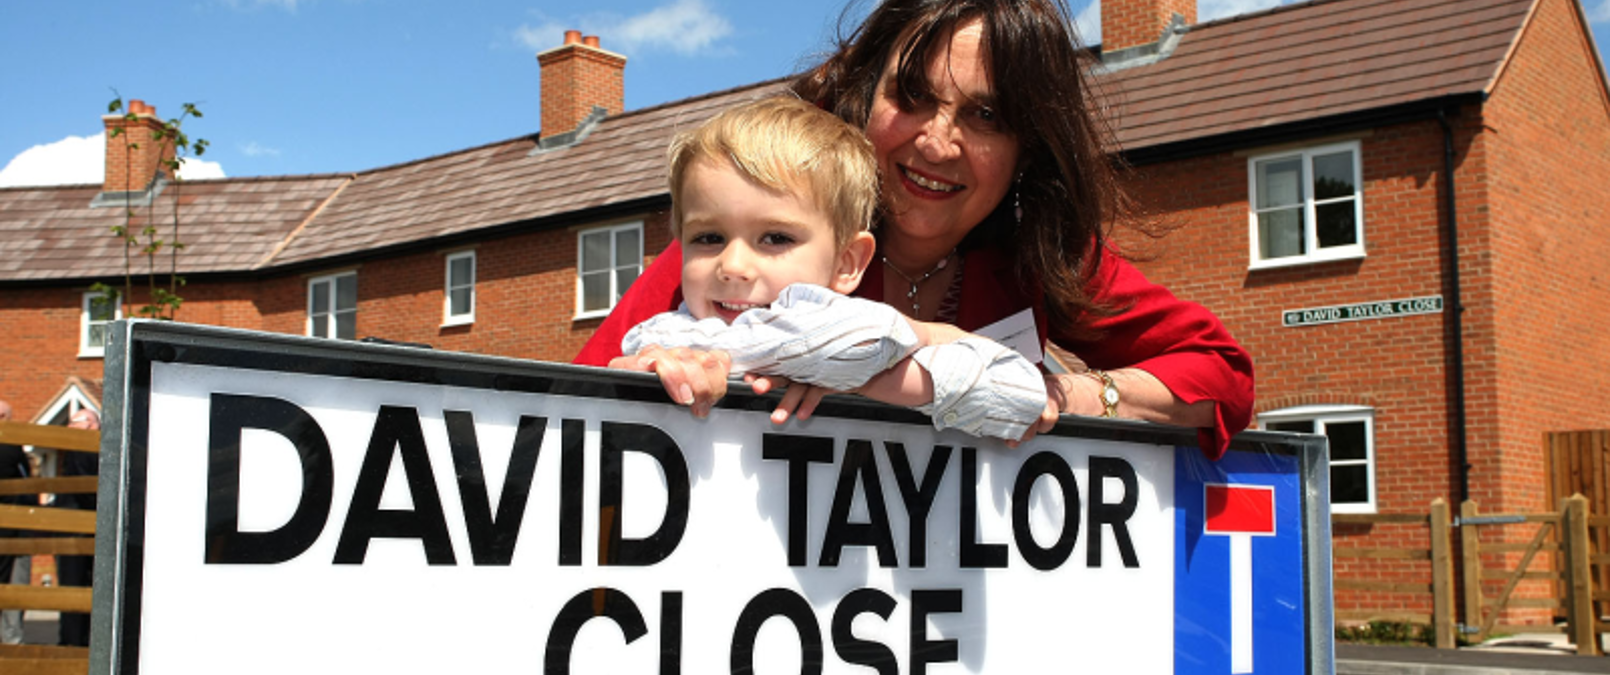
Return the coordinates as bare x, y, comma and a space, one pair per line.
999, 193
77, 570
13, 569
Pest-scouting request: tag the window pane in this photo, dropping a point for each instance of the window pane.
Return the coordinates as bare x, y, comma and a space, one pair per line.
321, 297
461, 272
102, 308
318, 325
346, 292
1336, 225
623, 279
1280, 233
594, 251
1297, 426
1349, 484
1333, 176
459, 301
1346, 440
97, 336
595, 291
1280, 182
346, 325
626, 248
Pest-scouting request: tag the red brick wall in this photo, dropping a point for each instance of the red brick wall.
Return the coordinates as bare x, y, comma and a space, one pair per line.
525, 307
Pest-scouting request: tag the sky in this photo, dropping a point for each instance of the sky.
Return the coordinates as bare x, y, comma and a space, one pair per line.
291, 87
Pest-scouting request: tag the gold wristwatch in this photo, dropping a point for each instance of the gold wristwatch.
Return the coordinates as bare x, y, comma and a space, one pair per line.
1109, 393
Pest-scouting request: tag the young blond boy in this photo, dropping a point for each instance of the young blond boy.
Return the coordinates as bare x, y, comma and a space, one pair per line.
772, 202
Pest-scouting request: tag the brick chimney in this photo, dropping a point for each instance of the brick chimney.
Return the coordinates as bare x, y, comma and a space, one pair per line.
577, 76
129, 168
1132, 23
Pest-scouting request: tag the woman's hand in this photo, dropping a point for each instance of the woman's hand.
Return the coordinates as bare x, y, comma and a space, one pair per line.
691, 377
1141, 396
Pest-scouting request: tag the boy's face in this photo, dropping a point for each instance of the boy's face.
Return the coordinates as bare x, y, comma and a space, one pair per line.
742, 243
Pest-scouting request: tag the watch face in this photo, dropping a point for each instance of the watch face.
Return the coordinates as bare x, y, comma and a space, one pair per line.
1110, 396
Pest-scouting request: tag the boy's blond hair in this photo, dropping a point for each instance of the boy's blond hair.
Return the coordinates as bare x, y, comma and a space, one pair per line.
787, 144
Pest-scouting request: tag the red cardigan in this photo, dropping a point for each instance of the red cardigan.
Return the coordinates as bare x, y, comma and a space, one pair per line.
1179, 342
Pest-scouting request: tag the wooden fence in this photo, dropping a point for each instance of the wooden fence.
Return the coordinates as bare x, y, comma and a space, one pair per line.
46, 531
1565, 532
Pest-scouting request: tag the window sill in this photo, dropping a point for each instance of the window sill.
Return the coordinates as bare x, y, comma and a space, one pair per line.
458, 321
1356, 509
585, 316
1298, 261
87, 354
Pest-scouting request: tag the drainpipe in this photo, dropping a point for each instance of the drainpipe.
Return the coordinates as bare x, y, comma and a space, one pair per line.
1456, 309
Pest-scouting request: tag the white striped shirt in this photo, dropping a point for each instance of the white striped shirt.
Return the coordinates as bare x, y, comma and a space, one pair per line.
816, 336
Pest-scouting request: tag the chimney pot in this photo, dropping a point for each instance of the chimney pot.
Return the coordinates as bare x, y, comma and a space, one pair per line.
591, 41
572, 37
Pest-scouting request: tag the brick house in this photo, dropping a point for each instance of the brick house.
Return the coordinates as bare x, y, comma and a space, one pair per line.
1322, 156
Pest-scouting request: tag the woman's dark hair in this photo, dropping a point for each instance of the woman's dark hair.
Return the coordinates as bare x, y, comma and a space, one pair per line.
1068, 185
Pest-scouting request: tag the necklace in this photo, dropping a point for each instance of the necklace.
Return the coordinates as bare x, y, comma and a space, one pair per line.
911, 295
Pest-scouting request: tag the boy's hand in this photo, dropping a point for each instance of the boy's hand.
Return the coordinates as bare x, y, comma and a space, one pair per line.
693, 378
799, 399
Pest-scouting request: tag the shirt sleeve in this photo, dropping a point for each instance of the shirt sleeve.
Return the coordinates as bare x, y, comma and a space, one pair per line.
1181, 343
809, 334
982, 387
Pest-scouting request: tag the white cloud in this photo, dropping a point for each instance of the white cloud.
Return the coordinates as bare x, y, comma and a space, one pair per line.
686, 27
78, 160
1600, 12
71, 161
255, 149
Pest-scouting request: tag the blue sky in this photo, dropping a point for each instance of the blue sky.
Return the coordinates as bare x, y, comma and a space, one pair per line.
317, 86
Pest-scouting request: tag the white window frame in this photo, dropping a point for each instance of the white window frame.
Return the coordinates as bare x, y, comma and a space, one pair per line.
614, 266
448, 317
334, 296
1323, 415
1313, 253
85, 323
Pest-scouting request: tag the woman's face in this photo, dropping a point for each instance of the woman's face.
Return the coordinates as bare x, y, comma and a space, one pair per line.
945, 160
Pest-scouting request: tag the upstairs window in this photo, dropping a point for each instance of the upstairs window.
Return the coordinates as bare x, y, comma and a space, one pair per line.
608, 260
99, 309
332, 306
1351, 432
1307, 206
458, 300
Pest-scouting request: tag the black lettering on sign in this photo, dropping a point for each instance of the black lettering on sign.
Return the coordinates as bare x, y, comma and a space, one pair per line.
859, 467
617, 439
973, 553
919, 500
854, 650
671, 633
492, 539
788, 605
231, 414
1045, 464
396, 432
571, 475
1117, 515
799, 452
923, 650
605, 602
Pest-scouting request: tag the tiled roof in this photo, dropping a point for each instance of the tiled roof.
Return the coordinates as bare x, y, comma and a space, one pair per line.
621, 161
226, 225
1292, 64
1311, 61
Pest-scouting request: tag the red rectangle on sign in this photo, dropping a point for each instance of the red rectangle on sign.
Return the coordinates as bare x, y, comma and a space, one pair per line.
1240, 509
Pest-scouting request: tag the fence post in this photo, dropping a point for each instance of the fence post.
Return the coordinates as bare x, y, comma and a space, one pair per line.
1579, 618
1470, 563
1442, 619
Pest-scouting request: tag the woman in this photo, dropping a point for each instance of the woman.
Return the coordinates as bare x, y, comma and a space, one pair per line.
998, 195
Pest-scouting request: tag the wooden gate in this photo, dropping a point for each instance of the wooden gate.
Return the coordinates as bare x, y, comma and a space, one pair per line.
42, 531
1579, 463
